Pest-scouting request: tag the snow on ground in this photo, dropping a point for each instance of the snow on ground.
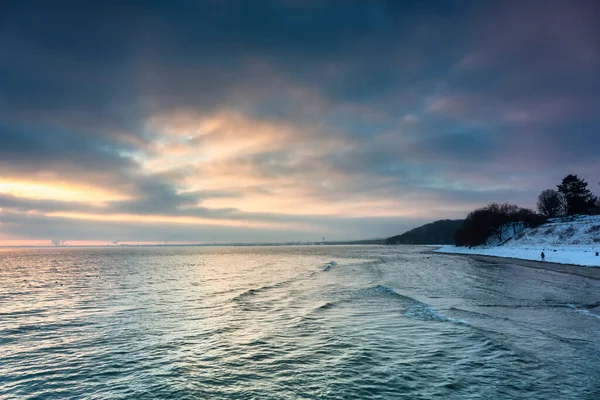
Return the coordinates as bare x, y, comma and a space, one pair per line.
565, 241
563, 255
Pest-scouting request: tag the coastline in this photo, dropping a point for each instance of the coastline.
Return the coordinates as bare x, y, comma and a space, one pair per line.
571, 269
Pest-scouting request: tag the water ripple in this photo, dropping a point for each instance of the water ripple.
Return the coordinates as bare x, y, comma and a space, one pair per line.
287, 323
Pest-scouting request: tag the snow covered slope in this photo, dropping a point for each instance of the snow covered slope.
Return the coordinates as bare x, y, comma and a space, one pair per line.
567, 241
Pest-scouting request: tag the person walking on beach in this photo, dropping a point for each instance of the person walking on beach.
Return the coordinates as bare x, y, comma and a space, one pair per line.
543, 257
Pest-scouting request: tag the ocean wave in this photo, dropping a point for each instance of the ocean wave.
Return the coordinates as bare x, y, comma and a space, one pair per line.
417, 310
413, 308
252, 292
588, 313
590, 306
326, 306
423, 312
585, 309
255, 291
328, 266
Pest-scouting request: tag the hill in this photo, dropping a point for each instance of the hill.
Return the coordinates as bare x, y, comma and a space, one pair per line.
438, 232
357, 242
572, 231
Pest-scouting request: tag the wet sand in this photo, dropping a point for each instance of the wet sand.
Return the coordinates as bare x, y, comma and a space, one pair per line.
586, 272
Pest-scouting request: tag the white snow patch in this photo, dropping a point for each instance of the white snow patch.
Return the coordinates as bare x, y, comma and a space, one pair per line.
572, 240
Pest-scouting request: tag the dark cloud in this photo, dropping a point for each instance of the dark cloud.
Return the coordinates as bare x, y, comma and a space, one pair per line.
455, 102
24, 205
45, 150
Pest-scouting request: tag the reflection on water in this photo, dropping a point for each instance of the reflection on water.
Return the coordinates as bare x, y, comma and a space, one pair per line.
281, 323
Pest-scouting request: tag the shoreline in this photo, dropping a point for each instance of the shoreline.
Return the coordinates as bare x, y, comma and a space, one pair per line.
571, 269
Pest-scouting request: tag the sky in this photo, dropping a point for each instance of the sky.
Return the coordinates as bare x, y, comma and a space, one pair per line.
214, 121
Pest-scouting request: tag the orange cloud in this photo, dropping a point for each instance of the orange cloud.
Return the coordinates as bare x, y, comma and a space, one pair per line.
59, 191
230, 151
146, 219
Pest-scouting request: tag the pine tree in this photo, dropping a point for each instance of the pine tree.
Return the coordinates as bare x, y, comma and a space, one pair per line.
579, 198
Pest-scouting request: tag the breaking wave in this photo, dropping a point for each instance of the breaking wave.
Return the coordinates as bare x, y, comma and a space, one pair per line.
253, 292
585, 309
413, 308
328, 266
418, 310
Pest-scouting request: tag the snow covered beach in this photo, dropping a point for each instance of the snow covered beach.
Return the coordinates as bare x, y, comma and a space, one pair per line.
564, 241
581, 255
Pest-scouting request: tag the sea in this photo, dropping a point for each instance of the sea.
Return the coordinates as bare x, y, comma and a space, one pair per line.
295, 322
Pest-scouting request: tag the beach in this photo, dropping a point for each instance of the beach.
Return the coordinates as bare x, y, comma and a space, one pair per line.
572, 269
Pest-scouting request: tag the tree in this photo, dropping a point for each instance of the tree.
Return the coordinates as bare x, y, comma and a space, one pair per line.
596, 209
493, 221
578, 197
551, 204
477, 228
507, 215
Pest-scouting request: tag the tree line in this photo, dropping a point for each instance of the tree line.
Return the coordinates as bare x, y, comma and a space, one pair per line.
500, 221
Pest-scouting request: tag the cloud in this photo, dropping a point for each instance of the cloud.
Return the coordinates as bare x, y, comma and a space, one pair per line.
309, 114
411, 119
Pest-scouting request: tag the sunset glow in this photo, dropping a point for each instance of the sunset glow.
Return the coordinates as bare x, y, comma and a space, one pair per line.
59, 191
160, 128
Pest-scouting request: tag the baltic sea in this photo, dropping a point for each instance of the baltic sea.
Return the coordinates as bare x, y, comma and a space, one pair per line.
288, 323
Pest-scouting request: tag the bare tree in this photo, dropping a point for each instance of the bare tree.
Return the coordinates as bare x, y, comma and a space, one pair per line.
491, 221
551, 204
